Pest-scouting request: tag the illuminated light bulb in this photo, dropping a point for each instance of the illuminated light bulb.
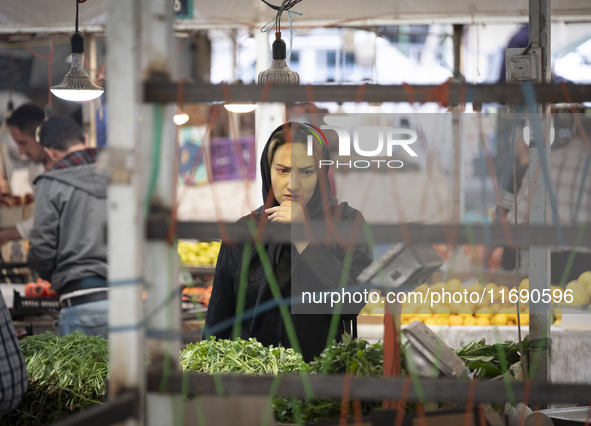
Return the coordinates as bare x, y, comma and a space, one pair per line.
76, 85
240, 108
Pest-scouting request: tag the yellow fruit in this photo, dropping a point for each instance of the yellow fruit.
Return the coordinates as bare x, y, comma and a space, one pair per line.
470, 320
422, 288
524, 318
430, 321
483, 312
579, 293
437, 288
424, 310
475, 288
558, 322
499, 319
441, 310
453, 285
585, 278
495, 308
464, 309
524, 283
503, 294
455, 320
490, 286
557, 313
482, 321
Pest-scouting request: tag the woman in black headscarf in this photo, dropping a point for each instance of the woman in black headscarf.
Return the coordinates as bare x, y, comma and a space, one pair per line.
295, 189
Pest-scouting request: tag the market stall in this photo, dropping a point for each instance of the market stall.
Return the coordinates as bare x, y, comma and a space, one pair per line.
148, 301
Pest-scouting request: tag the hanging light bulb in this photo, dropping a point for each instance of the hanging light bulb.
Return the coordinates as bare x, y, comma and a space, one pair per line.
240, 108
76, 85
180, 117
279, 72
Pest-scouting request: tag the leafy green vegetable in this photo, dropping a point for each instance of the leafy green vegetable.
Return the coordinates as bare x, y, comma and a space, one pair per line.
240, 357
66, 375
349, 356
489, 360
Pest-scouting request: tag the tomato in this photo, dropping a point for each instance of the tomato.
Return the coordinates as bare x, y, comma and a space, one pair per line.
30, 289
42, 288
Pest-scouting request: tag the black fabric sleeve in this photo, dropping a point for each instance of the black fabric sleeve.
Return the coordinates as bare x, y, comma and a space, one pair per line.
222, 303
319, 269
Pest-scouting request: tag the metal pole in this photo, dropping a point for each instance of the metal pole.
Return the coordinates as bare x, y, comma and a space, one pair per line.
457, 205
539, 256
161, 258
124, 197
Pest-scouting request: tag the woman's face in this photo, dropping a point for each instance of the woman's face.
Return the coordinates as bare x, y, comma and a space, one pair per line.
293, 174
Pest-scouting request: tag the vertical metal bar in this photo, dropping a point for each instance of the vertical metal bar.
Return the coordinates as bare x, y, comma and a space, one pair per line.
124, 196
457, 206
161, 258
91, 108
539, 257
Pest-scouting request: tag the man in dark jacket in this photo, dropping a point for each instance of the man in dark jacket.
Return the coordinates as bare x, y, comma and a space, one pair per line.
68, 242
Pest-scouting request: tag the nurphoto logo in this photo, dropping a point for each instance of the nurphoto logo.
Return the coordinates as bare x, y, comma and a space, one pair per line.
371, 151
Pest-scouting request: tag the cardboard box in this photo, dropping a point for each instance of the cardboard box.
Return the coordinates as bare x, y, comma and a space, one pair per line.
10, 216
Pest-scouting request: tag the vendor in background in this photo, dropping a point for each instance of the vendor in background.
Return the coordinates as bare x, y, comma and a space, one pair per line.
13, 369
294, 190
23, 123
509, 184
68, 245
570, 181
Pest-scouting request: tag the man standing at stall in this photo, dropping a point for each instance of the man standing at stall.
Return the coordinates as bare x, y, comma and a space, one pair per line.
23, 123
68, 243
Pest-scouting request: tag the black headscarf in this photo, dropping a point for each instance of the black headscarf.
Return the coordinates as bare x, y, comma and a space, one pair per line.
293, 132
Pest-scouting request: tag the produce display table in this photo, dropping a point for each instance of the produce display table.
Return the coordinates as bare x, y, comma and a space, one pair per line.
569, 362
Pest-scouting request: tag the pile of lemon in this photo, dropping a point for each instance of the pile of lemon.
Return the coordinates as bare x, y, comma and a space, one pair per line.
500, 312
199, 253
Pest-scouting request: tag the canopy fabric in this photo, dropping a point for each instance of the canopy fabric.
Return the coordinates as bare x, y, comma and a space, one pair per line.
28, 16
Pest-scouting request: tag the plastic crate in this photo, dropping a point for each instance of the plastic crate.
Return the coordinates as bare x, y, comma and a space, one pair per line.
22, 303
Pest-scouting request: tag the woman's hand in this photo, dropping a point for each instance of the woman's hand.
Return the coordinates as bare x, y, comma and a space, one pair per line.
287, 212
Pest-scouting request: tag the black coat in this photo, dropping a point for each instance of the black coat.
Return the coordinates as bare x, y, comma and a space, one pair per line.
317, 268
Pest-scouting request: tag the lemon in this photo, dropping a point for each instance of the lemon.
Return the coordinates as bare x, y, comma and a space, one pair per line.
524, 318
470, 320
585, 278
464, 309
453, 285
558, 322
455, 320
502, 294
430, 321
579, 293
489, 287
475, 288
424, 310
499, 319
437, 287
441, 310
482, 321
524, 283
441, 320
422, 288
483, 312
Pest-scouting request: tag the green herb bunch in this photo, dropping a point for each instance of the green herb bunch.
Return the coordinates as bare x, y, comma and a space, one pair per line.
66, 375
489, 360
240, 357
353, 356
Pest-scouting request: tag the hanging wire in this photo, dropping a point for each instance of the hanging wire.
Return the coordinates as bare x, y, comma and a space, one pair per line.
286, 5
